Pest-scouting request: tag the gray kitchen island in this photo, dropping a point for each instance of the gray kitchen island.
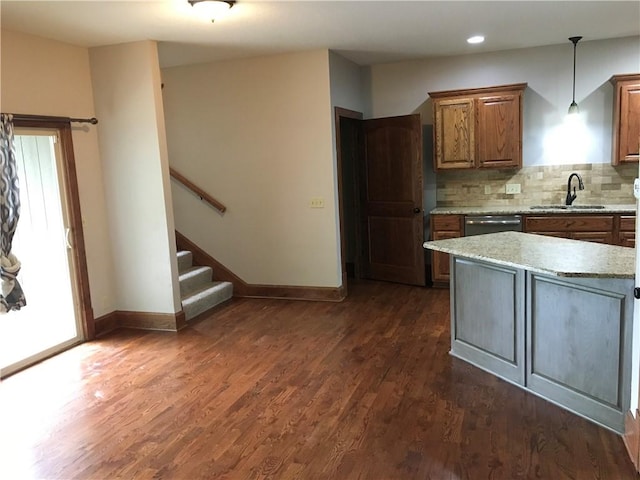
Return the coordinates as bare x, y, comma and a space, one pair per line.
551, 315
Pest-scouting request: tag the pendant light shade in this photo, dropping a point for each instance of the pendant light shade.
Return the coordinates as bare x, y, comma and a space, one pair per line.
573, 108
211, 9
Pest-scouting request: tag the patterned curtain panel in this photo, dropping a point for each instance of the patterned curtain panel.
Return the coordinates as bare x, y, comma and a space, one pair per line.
11, 295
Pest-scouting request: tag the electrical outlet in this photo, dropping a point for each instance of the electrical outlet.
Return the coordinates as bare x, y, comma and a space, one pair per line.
316, 202
487, 189
512, 188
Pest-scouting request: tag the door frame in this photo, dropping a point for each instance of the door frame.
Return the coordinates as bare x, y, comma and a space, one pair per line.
341, 113
71, 191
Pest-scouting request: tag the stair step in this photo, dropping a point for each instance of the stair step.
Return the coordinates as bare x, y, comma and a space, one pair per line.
185, 260
214, 293
194, 279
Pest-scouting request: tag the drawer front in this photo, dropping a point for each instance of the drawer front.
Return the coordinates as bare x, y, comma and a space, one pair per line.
597, 237
447, 222
627, 223
627, 239
569, 223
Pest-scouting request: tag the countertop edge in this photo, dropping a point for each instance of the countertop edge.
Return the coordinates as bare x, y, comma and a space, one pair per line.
527, 210
472, 254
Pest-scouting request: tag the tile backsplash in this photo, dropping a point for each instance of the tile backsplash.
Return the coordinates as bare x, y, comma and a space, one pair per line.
539, 185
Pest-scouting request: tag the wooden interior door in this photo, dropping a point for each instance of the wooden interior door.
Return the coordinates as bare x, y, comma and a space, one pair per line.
393, 228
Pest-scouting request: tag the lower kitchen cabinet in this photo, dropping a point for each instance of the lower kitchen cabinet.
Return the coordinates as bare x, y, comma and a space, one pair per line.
579, 333
488, 317
443, 227
590, 228
565, 339
627, 231
612, 229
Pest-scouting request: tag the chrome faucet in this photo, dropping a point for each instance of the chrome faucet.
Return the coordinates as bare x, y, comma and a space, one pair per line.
572, 196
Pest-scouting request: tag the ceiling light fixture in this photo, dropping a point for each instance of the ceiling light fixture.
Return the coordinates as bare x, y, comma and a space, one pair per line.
573, 108
475, 39
211, 9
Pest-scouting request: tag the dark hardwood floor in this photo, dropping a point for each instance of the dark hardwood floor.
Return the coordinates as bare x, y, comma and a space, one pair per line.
288, 389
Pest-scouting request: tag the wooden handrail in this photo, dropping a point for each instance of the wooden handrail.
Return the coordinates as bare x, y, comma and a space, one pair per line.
198, 191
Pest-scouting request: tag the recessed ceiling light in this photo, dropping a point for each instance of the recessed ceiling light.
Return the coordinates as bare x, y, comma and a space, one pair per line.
475, 39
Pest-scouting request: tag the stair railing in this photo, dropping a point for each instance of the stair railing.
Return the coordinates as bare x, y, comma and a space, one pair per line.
198, 191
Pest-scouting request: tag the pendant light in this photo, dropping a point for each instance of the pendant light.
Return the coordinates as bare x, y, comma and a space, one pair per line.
573, 108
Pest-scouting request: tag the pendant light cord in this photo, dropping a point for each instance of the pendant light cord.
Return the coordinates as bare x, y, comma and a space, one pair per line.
573, 98
575, 41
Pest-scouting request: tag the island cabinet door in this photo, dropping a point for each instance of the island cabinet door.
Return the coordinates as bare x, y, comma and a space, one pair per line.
579, 344
487, 317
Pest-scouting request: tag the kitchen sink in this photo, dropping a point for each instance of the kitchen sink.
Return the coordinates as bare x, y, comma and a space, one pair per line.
566, 207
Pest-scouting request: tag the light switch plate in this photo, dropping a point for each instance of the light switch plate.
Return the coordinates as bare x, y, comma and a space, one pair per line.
512, 188
636, 188
316, 202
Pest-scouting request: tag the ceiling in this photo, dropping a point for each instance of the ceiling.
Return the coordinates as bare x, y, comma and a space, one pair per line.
366, 32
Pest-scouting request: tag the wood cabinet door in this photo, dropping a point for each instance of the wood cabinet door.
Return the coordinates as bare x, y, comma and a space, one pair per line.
627, 239
454, 135
439, 260
442, 228
488, 318
498, 131
627, 231
628, 134
578, 344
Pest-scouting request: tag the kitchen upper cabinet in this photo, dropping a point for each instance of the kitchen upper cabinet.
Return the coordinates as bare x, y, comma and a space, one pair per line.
499, 131
478, 128
454, 133
626, 118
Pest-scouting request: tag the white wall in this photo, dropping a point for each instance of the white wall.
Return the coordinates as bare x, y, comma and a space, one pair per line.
44, 77
126, 84
256, 134
346, 80
402, 88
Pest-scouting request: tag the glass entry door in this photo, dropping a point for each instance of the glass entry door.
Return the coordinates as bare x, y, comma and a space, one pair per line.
49, 323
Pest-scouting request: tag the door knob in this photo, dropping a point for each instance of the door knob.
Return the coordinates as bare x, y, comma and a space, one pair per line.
417, 210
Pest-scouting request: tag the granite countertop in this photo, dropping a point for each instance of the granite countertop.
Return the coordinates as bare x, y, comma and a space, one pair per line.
547, 255
537, 209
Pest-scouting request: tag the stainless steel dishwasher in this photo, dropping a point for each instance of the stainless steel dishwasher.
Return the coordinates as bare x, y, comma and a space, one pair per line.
480, 224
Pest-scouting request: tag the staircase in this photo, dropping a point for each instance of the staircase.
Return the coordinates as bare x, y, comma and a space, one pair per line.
198, 291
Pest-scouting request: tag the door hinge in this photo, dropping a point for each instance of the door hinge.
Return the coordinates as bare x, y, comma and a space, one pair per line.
636, 293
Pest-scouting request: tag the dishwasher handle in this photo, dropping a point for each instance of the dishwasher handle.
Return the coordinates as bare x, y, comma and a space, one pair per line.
493, 222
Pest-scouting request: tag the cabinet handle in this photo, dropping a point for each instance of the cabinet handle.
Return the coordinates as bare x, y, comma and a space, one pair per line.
493, 222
